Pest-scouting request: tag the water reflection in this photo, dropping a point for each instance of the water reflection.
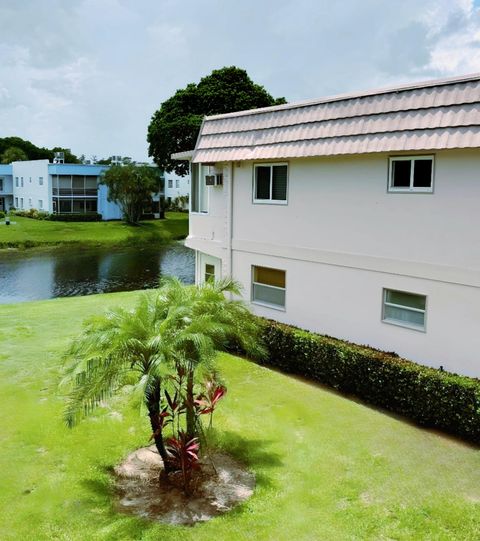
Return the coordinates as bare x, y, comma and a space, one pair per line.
44, 275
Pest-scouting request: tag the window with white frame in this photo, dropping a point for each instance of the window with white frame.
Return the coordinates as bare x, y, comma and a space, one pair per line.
1, 184
209, 272
16, 202
29, 202
170, 183
40, 181
177, 183
405, 309
40, 204
21, 202
268, 286
411, 174
199, 191
16, 182
21, 182
270, 183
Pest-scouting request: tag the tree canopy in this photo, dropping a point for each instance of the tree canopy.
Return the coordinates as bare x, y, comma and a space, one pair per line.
175, 126
131, 187
31, 151
13, 154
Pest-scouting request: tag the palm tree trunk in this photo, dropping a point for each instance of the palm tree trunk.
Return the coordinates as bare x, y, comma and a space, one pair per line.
190, 410
153, 405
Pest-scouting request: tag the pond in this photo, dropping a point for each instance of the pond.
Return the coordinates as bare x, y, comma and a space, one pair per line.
35, 275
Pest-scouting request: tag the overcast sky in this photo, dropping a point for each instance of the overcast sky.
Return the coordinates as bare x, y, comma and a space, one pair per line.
88, 74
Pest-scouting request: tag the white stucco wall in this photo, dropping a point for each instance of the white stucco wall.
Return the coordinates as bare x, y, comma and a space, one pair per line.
342, 238
180, 185
32, 190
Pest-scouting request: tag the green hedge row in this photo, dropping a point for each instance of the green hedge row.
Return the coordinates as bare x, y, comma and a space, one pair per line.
431, 397
75, 217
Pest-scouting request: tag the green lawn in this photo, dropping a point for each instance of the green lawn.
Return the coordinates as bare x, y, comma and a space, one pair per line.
327, 468
28, 233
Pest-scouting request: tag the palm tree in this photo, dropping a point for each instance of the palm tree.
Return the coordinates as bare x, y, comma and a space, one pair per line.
177, 328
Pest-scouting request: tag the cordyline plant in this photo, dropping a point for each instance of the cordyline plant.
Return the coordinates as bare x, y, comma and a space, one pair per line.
162, 346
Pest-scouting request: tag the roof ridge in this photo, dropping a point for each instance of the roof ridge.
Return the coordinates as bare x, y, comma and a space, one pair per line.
349, 96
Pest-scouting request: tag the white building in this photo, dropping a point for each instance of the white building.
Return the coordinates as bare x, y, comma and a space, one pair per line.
59, 188
176, 186
356, 216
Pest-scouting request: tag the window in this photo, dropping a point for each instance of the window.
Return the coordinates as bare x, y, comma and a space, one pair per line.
40, 204
270, 183
170, 183
209, 272
177, 183
199, 188
268, 286
1, 184
21, 202
30, 180
29, 202
16, 202
411, 174
40, 181
16, 182
21, 182
402, 308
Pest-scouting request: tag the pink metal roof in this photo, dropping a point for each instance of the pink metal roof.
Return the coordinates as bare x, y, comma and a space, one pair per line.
426, 116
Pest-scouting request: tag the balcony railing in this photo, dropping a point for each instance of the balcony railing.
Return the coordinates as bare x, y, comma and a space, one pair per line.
72, 192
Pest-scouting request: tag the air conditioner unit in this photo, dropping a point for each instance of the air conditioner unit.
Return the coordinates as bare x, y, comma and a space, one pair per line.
210, 180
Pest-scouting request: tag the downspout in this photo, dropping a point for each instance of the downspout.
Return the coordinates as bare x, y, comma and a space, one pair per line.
230, 222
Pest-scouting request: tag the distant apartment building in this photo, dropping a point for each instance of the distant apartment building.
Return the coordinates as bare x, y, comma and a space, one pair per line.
59, 188
176, 186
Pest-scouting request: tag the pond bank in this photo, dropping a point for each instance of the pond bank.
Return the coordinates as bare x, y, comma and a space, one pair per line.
28, 233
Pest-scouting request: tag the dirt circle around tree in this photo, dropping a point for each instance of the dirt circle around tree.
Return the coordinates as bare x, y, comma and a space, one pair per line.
219, 485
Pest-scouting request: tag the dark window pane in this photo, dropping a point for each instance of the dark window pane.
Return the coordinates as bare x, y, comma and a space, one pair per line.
195, 188
422, 174
262, 182
90, 205
267, 276
401, 173
279, 188
65, 205
79, 206
409, 300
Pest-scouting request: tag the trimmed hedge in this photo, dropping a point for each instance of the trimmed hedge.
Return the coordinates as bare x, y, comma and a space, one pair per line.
431, 397
75, 217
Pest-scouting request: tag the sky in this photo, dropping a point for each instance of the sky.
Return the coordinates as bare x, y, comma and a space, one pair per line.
89, 74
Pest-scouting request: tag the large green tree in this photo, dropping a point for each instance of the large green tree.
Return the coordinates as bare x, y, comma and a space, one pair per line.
13, 154
175, 126
131, 187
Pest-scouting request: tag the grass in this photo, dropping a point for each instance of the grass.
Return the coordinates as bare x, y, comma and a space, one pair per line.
327, 468
27, 233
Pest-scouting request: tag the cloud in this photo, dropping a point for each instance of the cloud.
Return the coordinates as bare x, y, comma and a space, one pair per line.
88, 74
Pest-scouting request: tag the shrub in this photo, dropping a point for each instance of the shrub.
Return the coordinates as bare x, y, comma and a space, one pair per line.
2, 215
431, 397
75, 217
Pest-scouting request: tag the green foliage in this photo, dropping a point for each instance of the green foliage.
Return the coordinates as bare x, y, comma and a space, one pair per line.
430, 397
31, 151
2, 214
131, 187
175, 126
32, 213
13, 154
90, 217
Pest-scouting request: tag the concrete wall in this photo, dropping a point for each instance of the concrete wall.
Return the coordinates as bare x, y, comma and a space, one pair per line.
342, 238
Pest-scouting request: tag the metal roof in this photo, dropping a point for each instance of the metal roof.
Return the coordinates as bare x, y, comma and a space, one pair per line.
441, 114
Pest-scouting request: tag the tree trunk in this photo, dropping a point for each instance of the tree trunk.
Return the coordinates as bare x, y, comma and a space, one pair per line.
190, 404
153, 406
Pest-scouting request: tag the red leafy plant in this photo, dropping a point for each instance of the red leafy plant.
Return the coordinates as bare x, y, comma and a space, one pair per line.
183, 452
207, 401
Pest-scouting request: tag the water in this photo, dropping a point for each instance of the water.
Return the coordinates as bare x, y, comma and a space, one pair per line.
28, 276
